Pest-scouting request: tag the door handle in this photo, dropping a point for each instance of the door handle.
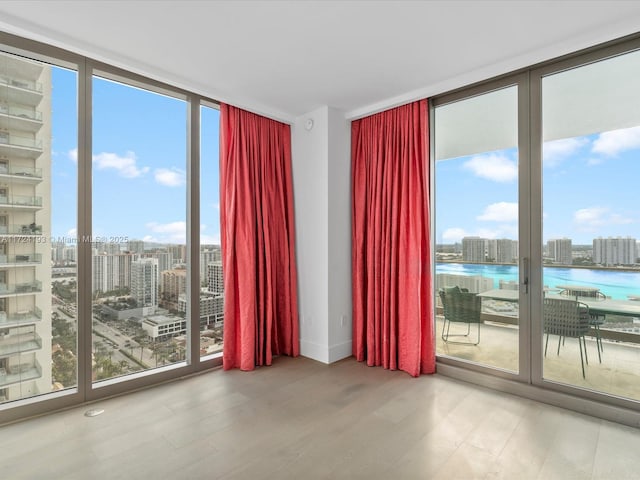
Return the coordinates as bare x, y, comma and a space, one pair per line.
525, 274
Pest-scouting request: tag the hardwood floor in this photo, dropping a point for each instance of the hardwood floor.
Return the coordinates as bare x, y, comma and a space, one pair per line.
301, 419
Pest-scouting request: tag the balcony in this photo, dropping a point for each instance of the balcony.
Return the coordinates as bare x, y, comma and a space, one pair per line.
20, 259
11, 344
25, 92
24, 229
21, 317
20, 118
21, 202
18, 146
20, 174
20, 288
20, 373
618, 373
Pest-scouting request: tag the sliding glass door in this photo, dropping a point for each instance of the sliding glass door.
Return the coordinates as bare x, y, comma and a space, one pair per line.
591, 226
478, 248
535, 216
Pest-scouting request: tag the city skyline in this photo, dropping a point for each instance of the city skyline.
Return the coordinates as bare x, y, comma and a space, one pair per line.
574, 170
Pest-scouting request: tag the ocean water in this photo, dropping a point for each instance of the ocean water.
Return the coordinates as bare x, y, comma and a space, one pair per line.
615, 284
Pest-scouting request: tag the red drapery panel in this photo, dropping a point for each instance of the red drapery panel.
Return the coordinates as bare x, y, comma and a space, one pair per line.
392, 303
257, 229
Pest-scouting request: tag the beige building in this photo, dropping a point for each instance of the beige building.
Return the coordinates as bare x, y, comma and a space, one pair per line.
25, 226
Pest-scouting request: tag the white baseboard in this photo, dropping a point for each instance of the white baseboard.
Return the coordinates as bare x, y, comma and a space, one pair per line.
323, 354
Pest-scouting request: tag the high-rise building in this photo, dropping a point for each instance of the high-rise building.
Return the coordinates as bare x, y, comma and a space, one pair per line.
506, 251
208, 254
614, 251
135, 246
111, 272
144, 282
474, 249
215, 281
25, 213
174, 284
560, 250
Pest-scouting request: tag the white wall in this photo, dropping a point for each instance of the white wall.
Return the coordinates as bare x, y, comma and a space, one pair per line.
321, 182
339, 201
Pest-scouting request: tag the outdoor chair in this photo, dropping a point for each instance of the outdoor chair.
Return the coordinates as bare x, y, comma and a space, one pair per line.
567, 318
461, 306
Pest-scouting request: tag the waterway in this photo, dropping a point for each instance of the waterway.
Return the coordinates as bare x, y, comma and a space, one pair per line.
613, 283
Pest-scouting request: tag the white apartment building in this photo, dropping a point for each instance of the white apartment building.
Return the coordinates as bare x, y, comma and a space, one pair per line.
111, 271
559, 249
614, 251
25, 221
474, 249
144, 282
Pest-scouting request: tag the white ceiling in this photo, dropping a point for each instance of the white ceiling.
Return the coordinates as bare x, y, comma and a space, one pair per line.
286, 58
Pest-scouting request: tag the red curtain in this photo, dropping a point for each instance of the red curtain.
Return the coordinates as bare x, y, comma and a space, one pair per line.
257, 228
392, 300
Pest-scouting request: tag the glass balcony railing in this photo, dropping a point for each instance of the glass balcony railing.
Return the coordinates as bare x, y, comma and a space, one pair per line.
13, 288
20, 258
20, 372
30, 229
17, 141
21, 200
22, 317
19, 171
19, 83
21, 112
18, 343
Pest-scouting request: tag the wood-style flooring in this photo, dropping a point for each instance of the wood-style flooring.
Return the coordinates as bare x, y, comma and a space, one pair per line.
300, 419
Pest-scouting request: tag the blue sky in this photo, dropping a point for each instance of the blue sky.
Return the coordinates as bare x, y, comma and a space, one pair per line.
139, 163
589, 186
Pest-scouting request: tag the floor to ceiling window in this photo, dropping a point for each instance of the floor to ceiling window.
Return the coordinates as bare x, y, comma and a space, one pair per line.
139, 269
537, 229
96, 224
211, 290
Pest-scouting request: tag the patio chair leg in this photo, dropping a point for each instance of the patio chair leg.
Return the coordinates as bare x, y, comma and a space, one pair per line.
586, 356
559, 339
546, 344
581, 361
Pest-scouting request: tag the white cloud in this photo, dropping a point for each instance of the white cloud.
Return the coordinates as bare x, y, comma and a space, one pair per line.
173, 177
500, 212
73, 155
72, 233
173, 232
210, 240
592, 218
554, 152
124, 165
616, 141
453, 234
492, 166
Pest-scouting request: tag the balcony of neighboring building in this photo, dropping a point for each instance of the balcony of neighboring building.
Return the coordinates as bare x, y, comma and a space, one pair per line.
18, 342
20, 174
21, 372
13, 145
26, 316
21, 91
20, 259
21, 202
20, 117
25, 288
21, 229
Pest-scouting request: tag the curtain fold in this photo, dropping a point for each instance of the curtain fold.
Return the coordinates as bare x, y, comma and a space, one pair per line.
393, 322
258, 239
